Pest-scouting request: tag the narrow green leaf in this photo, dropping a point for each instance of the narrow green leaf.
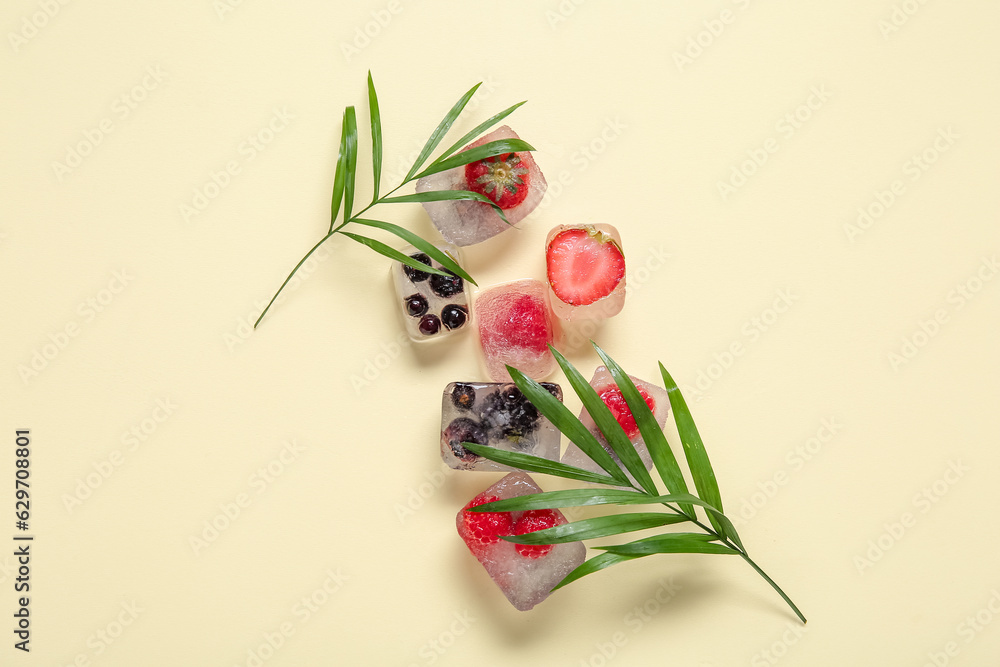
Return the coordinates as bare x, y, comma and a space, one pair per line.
445, 195
376, 122
392, 253
538, 464
498, 147
584, 497
421, 244
694, 449
440, 131
595, 564
607, 424
728, 529
339, 175
670, 543
351, 143
479, 129
652, 434
602, 526
556, 412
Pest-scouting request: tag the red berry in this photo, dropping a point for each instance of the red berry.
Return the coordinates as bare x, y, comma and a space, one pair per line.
584, 265
484, 528
531, 521
503, 179
530, 325
612, 397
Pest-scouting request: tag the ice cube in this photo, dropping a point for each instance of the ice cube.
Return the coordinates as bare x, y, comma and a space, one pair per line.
432, 306
495, 414
585, 267
607, 389
467, 222
525, 574
515, 327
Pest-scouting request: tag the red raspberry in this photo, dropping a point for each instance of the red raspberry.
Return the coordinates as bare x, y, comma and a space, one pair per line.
503, 179
530, 325
612, 397
484, 528
531, 521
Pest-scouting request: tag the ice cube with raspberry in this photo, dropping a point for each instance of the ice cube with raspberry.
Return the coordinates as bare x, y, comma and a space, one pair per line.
515, 327
432, 306
512, 181
525, 573
604, 384
585, 267
496, 414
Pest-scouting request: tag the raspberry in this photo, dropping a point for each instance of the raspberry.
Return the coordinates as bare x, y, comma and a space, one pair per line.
531, 521
484, 528
612, 397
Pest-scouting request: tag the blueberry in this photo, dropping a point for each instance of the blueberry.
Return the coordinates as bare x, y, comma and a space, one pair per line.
453, 316
416, 275
447, 286
462, 430
429, 325
416, 305
463, 395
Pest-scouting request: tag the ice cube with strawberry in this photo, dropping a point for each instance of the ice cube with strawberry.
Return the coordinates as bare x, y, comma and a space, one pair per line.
512, 181
525, 573
516, 326
604, 384
585, 267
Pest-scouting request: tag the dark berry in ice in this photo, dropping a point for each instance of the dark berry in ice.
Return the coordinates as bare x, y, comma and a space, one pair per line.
508, 414
416, 275
429, 325
462, 430
463, 395
553, 389
453, 316
446, 286
416, 305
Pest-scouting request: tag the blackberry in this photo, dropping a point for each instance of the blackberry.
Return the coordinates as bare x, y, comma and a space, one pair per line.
463, 395
446, 286
429, 325
508, 414
462, 430
453, 316
416, 305
416, 275
553, 389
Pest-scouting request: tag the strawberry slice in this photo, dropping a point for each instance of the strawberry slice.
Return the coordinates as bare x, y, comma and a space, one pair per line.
612, 397
503, 179
531, 521
584, 265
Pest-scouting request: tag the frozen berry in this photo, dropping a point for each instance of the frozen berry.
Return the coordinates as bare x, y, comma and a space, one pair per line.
416, 305
503, 179
447, 286
612, 397
484, 528
584, 265
531, 521
553, 389
416, 275
429, 325
508, 414
463, 395
462, 430
531, 325
454, 316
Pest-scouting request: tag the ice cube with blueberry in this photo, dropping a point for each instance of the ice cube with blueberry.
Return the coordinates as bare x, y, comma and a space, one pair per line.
525, 573
585, 267
515, 327
604, 384
496, 414
432, 305
512, 181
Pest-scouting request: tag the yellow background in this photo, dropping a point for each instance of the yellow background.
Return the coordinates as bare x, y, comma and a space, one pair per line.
787, 324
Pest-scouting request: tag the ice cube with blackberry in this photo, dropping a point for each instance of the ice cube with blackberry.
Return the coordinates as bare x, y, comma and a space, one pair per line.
432, 305
496, 414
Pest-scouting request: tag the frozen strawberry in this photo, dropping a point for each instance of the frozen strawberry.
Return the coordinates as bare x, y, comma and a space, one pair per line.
584, 265
503, 179
484, 528
612, 397
531, 521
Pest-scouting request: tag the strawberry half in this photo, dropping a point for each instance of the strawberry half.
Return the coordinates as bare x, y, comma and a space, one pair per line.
584, 265
612, 397
531, 521
484, 528
503, 179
